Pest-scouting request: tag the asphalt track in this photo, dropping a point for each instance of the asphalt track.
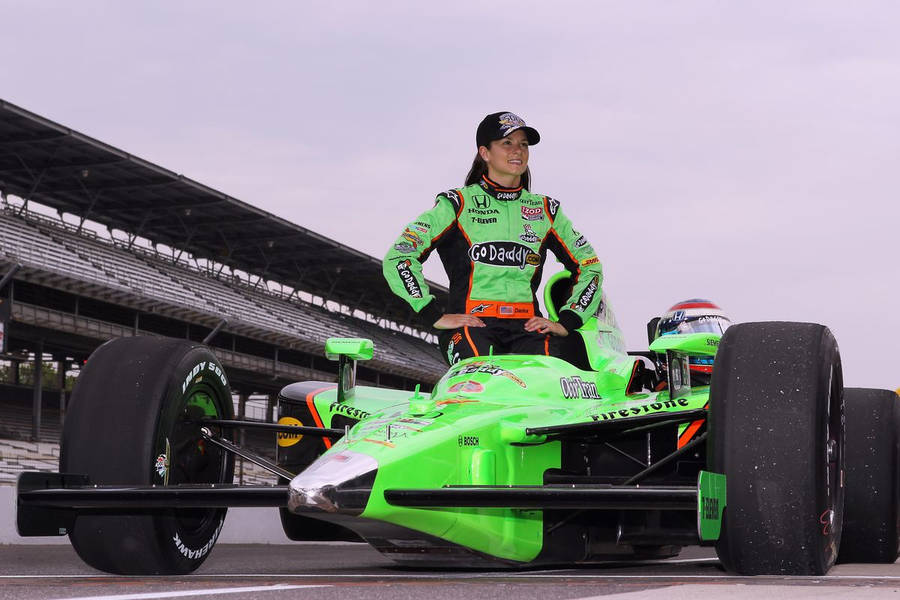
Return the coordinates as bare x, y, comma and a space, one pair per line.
314, 571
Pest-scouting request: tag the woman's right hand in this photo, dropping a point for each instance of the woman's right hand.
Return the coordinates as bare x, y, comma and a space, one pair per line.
456, 321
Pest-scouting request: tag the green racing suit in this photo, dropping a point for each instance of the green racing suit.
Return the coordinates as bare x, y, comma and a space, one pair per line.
493, 242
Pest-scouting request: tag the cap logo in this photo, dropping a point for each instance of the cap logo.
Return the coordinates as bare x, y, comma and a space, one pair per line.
510, 121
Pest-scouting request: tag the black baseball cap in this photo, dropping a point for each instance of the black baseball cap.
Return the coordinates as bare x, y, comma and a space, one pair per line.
498, 125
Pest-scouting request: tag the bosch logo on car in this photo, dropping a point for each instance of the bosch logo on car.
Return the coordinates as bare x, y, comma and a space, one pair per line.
468, 440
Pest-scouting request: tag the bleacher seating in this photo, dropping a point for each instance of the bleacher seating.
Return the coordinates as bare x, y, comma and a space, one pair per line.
15, 419
51, 245
24, 243
125, 268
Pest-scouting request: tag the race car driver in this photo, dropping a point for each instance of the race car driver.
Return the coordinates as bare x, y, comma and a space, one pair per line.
492, 236
694, 316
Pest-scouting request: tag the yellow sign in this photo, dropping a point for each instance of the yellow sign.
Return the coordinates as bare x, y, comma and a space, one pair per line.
289, 439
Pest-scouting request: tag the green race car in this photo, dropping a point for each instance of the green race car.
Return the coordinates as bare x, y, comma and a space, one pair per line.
510, 461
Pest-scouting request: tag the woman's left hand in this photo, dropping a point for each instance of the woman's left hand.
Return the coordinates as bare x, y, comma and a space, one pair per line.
542, 325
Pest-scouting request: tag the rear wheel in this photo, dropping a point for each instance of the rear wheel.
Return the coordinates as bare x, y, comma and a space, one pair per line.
873, 486
776, 432
130, 421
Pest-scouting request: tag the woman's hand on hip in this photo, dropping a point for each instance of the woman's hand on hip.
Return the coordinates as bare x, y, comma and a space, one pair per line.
455, 321
542, 325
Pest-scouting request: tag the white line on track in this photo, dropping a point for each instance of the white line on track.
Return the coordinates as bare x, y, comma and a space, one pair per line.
206, 592
414, 576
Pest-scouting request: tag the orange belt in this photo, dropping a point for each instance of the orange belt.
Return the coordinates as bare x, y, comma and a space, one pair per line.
500, 310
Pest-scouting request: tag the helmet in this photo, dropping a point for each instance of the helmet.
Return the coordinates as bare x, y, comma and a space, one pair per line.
695, 316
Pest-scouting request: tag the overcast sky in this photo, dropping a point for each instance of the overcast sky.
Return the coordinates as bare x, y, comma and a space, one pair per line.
737, 151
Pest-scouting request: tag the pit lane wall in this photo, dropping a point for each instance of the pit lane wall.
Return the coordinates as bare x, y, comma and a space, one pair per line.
242, 525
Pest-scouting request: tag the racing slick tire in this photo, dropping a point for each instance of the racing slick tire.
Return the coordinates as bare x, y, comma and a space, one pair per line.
130, 421
776, 432
872, 482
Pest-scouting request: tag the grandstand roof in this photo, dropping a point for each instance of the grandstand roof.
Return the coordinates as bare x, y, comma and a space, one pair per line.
51, 164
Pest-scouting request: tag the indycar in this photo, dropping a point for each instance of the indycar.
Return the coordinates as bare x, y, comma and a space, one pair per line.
510, 461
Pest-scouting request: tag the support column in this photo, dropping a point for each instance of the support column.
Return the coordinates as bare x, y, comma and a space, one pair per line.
36, 398
14, 366
62, 366
242, 412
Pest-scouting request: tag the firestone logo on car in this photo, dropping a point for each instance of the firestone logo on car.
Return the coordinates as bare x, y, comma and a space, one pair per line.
504, 254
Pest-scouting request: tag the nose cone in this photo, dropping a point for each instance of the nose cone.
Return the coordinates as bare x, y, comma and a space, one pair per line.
335, 483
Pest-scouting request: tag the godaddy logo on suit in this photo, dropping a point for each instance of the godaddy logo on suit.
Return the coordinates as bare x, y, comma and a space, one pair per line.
504, 254
409, 280
587, 295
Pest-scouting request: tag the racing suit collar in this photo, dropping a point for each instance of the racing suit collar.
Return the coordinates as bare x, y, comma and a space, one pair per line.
498, 191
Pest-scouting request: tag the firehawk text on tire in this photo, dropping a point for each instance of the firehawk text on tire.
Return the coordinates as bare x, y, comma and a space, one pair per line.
130, 422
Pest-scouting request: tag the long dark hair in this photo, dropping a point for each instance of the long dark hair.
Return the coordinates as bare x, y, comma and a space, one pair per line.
480, 168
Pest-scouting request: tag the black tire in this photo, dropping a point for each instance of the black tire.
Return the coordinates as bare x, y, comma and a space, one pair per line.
872, 482
776, 432
132, 401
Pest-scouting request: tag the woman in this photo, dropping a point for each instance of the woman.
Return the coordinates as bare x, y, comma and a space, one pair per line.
492, 236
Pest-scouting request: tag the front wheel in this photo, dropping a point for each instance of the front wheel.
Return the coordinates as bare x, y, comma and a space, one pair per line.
777, 433
131, 421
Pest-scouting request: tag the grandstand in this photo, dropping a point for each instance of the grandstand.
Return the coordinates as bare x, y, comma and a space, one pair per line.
96, 243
